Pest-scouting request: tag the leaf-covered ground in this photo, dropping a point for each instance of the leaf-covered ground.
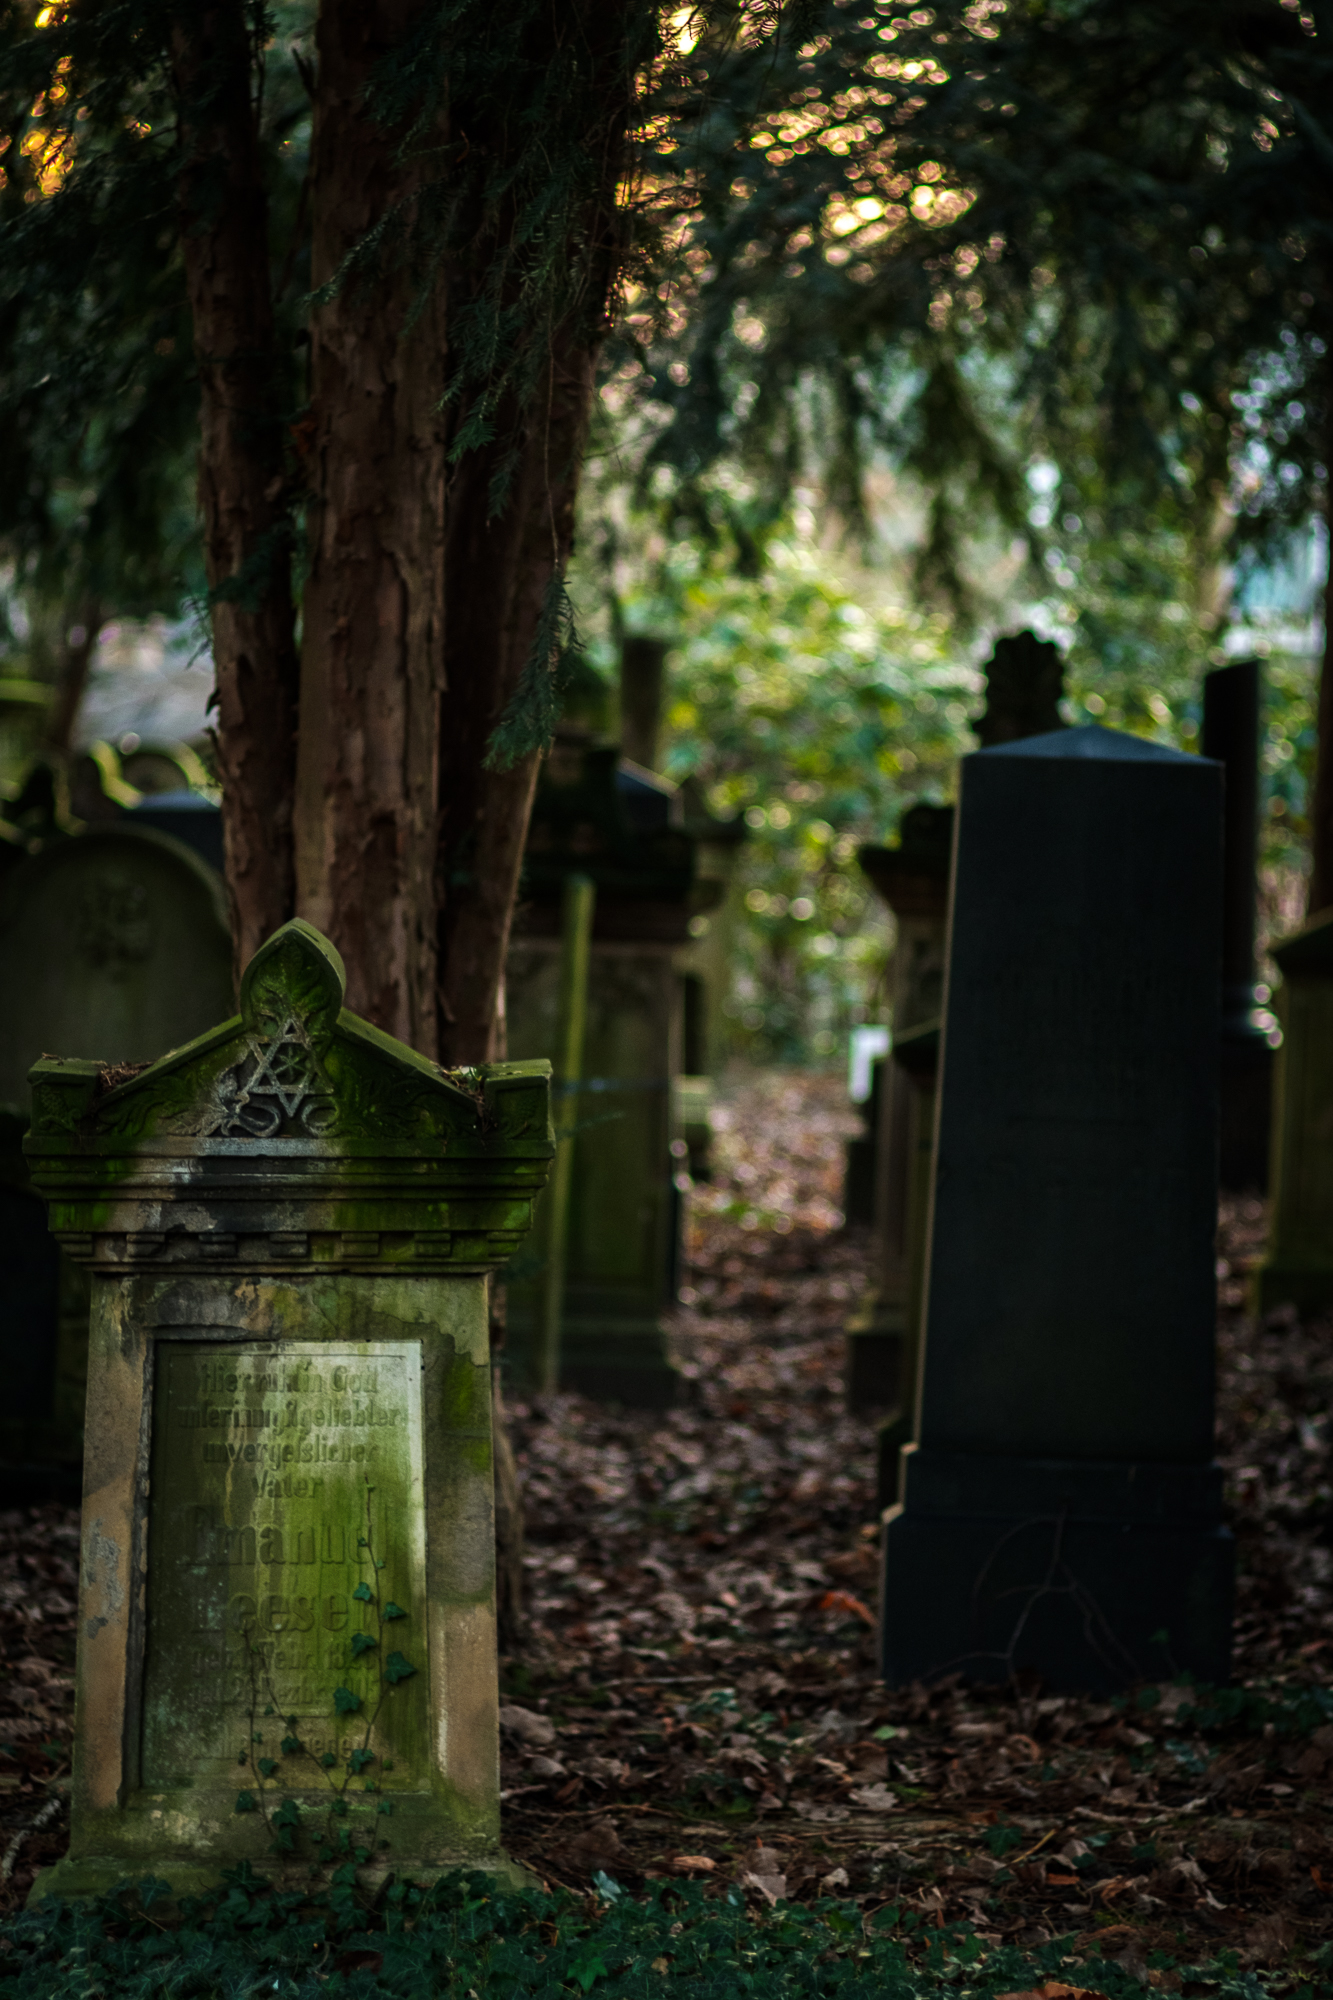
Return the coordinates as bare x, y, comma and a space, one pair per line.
695, 1699
697, 1694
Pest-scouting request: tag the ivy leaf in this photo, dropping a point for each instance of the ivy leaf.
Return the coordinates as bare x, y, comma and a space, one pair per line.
267, 1766
286, 1825
290, 1745
362, 1643
327, 1761
340, 1807
246, 1802
385, 1806
396, 1669
363, 1594
392, 1610
345, 1702
241, 1757
293, 1723
360, 1758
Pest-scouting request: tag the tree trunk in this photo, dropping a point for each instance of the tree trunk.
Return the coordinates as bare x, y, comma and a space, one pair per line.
224, 242
1320, 892
373, 643
496, 576
76, 657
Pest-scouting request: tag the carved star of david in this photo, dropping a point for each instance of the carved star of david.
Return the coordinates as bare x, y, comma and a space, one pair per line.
288, 1068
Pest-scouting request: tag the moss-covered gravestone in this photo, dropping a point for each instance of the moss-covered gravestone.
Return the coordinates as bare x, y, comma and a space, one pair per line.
594, 817
287, 1629
1060, 1510
113, 943
1298, 1269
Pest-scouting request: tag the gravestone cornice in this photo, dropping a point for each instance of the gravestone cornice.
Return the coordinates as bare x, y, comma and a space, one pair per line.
295, 1132
1308, 952
1091, 740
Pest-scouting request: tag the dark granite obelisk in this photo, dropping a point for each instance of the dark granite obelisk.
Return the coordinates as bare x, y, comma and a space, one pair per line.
1060, 1510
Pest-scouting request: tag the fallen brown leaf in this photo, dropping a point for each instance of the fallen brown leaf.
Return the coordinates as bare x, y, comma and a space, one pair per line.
1054, 1989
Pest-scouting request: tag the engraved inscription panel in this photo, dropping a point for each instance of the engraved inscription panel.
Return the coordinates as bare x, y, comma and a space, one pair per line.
286, 1563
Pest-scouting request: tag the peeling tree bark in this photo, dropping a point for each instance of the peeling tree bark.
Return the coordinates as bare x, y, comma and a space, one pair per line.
224, 241
372, 651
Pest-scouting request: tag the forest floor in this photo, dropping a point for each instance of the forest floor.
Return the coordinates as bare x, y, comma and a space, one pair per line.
695, 1693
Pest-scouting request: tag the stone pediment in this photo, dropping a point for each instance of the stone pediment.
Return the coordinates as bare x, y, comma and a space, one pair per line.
295, 1071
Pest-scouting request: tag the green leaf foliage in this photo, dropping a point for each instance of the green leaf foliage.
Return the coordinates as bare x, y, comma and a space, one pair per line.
461, 1934
363, 1594
345, 1702
396, 1669
362, 1643
391, 1611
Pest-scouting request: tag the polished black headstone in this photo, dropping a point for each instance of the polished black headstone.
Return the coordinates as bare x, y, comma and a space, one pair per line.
1059, 1510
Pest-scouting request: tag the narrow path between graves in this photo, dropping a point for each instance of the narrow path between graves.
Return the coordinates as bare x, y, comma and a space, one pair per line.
696, 1692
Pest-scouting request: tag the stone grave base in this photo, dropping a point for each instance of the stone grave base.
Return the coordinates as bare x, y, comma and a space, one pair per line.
874, 1355
892, 1435
1284, 1281
87, 1877
618, 1361
1095, 1574
189, 1841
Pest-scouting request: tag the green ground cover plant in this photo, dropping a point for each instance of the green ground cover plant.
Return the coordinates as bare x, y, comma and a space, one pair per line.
463, 1938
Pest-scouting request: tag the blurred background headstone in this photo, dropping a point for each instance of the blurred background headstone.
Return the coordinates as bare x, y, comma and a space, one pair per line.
113, 945
1298, 1269
620, 825
1024, 687
1024, 680
913, 879
1230, 735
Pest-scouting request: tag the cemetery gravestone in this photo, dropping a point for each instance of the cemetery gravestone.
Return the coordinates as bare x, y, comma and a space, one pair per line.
113, 944
622, 1246
1249, 1034
31, 1466
287, 1626
913, 879
1060, 1510
1025, 680
1298, 1269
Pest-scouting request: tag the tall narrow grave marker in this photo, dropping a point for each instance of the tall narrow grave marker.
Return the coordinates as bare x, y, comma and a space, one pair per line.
1060, 1510
287, 1626
1298, 1269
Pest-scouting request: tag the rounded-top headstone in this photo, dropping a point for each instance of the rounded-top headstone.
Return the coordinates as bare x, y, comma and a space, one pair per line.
114, 946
